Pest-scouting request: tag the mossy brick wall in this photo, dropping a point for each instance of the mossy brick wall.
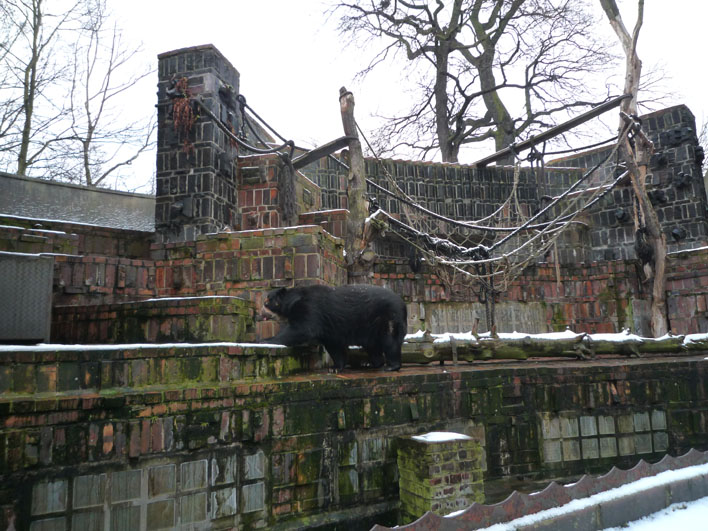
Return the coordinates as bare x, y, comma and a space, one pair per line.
127, 368
597, 297
687, 292
261, 200
594, 297
249, 263
193, 319
196, 177
442, 476
303, 451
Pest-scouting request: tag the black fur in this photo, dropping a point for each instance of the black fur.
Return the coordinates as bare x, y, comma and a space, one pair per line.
368, 316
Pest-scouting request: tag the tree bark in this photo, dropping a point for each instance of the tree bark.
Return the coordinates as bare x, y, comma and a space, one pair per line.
442, 128
30, 89
637, 160
356, 183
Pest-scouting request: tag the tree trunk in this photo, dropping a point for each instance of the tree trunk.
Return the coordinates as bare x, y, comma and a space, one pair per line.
505, 134
637, 160
30, 89
356, 184
448, 151
638, 163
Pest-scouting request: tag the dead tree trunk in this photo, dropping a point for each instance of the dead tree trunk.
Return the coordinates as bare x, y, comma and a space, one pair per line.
356, 183
637, 159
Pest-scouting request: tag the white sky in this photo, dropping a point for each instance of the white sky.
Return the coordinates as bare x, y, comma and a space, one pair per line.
292, 61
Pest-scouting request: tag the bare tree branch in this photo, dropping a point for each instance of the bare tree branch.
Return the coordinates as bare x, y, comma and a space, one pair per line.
472, 55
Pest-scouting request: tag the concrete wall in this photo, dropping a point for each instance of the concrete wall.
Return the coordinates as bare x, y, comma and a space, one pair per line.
48, 200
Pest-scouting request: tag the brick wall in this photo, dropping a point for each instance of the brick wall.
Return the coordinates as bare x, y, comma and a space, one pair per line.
316, 450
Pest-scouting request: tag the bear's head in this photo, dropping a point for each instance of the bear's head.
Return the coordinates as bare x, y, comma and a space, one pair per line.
274, 301
282, 301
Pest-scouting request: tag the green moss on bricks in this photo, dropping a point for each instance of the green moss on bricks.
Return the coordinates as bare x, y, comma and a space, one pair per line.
623, 312
252, 242
558, 321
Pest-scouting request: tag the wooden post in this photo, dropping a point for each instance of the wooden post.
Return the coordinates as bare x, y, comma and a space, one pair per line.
356, 184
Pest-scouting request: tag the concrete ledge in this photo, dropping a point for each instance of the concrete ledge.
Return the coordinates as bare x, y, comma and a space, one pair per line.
616, 512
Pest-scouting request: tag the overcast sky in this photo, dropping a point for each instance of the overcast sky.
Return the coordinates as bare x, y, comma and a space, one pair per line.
292, 61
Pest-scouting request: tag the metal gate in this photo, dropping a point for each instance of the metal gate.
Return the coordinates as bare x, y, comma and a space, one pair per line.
25, 297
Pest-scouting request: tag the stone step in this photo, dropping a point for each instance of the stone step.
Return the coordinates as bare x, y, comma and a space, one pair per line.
30, 370
179, 319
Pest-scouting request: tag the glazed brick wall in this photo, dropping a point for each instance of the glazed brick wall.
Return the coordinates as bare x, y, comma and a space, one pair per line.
466, 193
675, 184
200, 171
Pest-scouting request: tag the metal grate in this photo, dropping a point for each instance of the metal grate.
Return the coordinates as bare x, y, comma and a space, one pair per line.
25, 297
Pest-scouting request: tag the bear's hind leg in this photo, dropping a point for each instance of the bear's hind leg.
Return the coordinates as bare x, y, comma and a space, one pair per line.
392, 350
338, 353
376, 358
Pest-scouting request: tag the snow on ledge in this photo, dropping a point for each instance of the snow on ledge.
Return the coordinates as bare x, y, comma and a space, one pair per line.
440, 436
49, 347
163, 299
620, 337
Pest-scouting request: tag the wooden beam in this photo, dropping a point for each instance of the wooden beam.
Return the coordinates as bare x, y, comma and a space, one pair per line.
553, 131
321, 151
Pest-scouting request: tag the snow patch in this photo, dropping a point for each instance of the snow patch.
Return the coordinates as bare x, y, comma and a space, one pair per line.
48, 347
190, 298
440, 436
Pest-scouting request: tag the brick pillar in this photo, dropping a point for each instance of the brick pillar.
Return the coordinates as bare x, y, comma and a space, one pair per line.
439, 472
196, 187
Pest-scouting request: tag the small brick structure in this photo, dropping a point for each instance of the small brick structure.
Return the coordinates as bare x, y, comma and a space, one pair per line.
439, 472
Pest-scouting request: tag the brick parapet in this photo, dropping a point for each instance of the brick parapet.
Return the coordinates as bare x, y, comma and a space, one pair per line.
325, 444
333, 221
191, 319
141, 368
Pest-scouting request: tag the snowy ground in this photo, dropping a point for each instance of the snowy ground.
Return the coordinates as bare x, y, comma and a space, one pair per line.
688, 516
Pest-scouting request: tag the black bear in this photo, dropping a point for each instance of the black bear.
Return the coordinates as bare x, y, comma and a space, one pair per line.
371, 317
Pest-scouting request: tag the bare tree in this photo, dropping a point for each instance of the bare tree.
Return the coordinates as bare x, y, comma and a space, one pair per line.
488, 69
101, 143
31, 68
59, 114
637, 155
